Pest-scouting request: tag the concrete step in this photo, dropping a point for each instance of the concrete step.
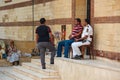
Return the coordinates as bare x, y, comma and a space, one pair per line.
48, 65
16, 76
87, 69
101, 63
108, 61
34, 75
5, 77
37, 68
4, 63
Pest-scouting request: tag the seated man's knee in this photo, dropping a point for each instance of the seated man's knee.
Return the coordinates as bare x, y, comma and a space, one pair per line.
67, 43
60, 43
73, 45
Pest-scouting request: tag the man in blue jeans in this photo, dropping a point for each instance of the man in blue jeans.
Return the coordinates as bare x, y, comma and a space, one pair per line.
76, 33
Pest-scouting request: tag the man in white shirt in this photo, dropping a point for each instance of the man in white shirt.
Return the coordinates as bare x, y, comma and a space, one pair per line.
84, 40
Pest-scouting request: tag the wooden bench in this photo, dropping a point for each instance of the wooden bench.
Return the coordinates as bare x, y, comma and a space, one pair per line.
88, 49
83, 50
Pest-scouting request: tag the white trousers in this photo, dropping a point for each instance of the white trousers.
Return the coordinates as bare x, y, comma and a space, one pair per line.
76, 45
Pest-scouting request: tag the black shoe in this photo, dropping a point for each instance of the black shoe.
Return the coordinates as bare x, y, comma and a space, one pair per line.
81, 56
77, 57
52, 63
43, 67
13, 63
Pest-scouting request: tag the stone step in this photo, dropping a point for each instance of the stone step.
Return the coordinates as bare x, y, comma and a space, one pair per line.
87, 69
34, 75
101, 63
108, 61
48, 65
47, 58
5, 77
15, 75
37, 68
4, 63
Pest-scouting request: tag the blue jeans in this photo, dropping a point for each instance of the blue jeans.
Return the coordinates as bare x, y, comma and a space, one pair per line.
66, 44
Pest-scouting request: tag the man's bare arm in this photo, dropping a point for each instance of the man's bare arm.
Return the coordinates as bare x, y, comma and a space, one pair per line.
70, 36
51, 37
37, 38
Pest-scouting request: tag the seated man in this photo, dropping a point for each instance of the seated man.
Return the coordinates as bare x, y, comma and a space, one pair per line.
13, 54
2, 52
2, 43
76, 32
84, 40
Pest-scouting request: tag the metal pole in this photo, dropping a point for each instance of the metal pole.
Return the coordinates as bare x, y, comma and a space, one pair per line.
32, 19
88, 9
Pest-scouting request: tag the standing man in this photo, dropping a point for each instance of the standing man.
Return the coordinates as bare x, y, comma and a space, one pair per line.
76, 33
44, 41
84, 40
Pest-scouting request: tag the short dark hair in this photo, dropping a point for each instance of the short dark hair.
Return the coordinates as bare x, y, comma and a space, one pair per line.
87, 20
78, 20
42, 20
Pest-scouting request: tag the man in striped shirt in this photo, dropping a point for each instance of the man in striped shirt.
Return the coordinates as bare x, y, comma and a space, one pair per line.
76, 33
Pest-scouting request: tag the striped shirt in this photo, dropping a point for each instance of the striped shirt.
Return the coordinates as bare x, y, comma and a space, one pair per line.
77, 28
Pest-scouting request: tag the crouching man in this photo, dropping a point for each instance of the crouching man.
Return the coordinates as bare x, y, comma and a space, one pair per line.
84, 40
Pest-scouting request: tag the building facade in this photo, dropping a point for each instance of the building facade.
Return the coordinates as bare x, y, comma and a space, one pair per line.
19, 19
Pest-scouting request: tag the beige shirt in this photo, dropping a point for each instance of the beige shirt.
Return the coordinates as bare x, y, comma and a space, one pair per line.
2, 51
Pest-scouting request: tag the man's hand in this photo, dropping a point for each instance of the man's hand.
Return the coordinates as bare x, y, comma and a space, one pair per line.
80, 39
76, 40
70, 36
36, 41
52, 39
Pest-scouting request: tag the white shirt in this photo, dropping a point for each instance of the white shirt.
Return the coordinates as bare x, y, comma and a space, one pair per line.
87, 31
84, 32
90, 32
90, 29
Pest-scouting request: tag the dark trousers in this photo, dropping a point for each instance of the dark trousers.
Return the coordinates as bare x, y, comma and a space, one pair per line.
42, 46
66, 44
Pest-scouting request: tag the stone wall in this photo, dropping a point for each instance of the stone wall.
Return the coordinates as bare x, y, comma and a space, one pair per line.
86, 69
16, 19
104, 8
81, 9
106, 20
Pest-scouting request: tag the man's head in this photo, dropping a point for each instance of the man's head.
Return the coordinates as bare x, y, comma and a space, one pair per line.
11, 43
86, 22
77, 21
42, 21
